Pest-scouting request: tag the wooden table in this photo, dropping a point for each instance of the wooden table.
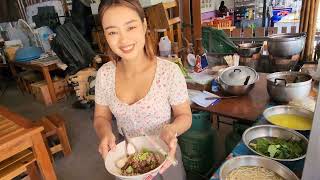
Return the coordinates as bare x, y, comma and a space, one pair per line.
45, 69
17, 134
245, 108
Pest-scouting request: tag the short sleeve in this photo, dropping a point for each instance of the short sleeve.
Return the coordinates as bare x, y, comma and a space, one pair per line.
178, 92
101, 88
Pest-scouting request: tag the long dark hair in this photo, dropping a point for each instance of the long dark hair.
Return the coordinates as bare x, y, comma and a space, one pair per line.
136, 6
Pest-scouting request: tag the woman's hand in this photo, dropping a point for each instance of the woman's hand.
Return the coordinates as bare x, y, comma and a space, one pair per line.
169, 136
107, 143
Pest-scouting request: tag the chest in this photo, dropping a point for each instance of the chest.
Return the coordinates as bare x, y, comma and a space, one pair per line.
132, 89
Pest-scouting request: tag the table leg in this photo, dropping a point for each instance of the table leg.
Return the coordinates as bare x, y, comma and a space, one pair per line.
47, 77
42, 157
32, 172
15, 76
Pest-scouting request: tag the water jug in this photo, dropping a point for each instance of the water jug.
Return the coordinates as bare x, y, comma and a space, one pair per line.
164, 46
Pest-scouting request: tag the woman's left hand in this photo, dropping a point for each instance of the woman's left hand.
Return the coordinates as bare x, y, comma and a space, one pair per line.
169, 136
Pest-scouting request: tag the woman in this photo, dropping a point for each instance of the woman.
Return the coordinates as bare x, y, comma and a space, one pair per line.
139, 89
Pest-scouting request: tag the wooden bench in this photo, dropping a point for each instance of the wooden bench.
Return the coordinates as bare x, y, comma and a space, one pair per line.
23, 162
54, 126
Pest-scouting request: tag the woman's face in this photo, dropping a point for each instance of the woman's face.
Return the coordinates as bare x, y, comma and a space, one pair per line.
124, 31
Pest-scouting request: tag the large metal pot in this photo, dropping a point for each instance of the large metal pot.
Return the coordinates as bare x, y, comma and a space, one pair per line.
288, 86
286, 45
249, 49
238, 80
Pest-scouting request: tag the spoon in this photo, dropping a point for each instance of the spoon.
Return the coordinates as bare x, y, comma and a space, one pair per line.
224, 97
130, 148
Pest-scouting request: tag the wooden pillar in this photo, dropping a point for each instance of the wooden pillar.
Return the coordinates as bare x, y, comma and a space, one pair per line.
187, 19
196, 21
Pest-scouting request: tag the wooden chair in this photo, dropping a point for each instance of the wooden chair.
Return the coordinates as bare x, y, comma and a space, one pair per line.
293, 29
236, 32
284, 29
165, 16
54, 126
272, 30
228, 32
260, 32
23, 162
247, 32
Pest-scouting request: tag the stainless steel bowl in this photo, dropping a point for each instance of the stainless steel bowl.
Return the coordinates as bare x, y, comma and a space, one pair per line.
286, 45
285, 109
272, 165
249, 49
273, 131
288, 86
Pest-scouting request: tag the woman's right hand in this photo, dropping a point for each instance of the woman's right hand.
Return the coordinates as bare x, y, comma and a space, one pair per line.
108, 142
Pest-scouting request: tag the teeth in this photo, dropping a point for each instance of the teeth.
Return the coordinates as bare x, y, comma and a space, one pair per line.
127, 48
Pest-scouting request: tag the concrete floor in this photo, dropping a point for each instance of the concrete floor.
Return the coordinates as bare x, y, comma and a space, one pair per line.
85, 162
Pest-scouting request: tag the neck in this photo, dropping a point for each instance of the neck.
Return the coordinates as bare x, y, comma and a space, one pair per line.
133, 66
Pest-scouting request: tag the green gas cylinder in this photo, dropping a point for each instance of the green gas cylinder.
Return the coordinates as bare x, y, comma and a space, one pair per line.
198, 144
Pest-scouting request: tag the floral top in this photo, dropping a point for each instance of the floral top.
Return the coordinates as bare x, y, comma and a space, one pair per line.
151, 112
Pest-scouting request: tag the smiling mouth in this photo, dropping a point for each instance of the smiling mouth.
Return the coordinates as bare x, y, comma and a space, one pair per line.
127, 49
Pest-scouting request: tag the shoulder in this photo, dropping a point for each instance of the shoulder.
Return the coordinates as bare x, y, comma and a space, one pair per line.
167, 65
107, 67
105, 72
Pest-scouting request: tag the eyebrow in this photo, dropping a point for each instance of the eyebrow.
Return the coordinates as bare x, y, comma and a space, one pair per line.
109, 27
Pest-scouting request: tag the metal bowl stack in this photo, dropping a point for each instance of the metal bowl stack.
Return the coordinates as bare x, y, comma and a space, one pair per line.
249, 49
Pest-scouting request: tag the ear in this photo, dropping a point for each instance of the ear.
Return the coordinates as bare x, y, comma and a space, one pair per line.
145, 25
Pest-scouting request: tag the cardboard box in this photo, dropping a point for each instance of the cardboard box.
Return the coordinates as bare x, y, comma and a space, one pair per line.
40, 91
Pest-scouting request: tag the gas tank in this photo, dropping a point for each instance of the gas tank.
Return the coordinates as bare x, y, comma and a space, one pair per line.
199, 144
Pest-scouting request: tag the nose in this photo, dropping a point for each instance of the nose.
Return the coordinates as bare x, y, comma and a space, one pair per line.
124, 37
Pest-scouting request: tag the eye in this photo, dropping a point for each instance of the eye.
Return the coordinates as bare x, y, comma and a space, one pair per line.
131, 28
112, 33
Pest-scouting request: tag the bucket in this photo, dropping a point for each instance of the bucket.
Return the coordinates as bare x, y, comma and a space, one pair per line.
164, 46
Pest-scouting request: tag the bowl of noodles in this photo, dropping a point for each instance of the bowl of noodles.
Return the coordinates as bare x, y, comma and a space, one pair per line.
146, 162
255, 168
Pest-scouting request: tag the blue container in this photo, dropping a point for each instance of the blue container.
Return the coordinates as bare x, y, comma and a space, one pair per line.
28, 53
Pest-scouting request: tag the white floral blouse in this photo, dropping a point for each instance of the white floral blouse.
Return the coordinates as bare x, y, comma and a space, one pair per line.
151, 112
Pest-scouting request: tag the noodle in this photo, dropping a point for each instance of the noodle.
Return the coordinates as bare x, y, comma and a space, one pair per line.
253, 173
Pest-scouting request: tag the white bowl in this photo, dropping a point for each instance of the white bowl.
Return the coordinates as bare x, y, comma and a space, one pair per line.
140, 143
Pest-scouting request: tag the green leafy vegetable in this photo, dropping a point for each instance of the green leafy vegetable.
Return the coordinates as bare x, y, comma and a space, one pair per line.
278, 148
129, 169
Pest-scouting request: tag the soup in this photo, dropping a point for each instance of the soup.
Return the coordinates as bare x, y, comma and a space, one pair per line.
291, 121
253, 173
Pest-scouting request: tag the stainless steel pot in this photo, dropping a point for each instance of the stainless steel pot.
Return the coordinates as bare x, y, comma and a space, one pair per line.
273, 131
288, 86
237, 90
272, 165
232, 80
286, 45
248, 49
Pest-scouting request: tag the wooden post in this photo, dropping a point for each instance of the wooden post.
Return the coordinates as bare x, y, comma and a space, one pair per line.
196, 21
187, 19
